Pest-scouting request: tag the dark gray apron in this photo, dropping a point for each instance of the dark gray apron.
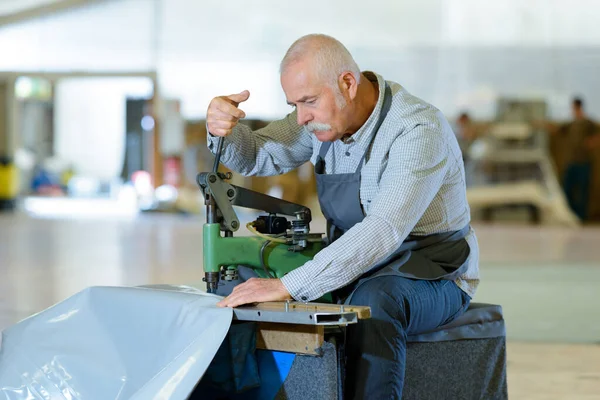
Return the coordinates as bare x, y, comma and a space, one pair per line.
437, 256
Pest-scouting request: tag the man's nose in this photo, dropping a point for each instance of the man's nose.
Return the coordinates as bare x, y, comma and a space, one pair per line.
303, 116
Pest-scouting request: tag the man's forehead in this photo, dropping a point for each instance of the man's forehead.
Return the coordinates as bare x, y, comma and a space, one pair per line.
298, 85
296, 74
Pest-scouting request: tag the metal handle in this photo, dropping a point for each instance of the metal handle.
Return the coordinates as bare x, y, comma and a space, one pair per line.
218, 154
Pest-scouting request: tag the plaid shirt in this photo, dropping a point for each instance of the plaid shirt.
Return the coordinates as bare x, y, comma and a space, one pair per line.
412, 181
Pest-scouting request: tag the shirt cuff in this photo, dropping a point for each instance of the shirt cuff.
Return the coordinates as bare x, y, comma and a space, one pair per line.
296, 284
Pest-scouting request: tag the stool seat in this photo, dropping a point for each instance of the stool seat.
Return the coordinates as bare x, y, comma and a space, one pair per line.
480, 321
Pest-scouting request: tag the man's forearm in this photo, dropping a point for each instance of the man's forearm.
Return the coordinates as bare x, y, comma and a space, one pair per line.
346, 259
275, 149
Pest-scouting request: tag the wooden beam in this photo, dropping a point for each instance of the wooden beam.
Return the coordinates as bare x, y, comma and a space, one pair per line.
299, 339
44, 10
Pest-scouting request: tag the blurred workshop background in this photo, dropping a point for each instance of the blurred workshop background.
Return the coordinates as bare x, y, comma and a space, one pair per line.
102, 133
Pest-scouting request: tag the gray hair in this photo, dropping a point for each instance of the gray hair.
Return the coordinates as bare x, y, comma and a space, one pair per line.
331, 58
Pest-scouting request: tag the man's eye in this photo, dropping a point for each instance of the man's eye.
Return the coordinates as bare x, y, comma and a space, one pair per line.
310, 101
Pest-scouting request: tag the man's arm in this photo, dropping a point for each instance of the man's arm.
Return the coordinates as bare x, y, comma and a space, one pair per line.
593, 139
415, 172
552, 128
278, 148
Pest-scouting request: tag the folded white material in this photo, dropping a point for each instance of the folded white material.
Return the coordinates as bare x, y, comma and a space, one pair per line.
114, 343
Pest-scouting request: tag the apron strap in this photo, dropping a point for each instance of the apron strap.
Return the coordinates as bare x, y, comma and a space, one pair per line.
387, 104
320, 164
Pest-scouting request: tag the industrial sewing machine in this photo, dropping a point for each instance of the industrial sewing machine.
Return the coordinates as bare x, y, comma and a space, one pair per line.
278, 245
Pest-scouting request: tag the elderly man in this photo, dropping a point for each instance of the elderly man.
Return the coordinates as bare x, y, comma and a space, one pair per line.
391, 185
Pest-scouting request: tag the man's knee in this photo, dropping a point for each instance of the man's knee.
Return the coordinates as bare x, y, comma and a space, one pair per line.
384, 298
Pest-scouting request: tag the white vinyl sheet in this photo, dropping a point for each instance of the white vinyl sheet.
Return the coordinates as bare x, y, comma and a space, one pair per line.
105, 343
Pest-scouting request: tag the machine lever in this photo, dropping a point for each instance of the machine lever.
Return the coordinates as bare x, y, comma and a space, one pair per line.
218, 154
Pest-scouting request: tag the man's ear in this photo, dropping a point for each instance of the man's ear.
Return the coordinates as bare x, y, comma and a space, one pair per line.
348, 85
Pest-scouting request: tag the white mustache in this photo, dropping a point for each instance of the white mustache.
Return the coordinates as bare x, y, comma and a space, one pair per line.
317, 126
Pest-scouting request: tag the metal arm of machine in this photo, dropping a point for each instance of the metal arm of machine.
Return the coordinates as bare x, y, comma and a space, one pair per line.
272, 205
223, 193
227, 195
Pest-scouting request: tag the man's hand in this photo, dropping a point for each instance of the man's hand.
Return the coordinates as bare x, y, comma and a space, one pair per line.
222, 114
256, 290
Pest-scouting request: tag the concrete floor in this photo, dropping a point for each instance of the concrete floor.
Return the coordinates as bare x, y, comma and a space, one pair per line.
545, 278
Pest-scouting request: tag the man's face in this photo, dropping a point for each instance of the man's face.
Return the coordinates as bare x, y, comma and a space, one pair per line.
317, 106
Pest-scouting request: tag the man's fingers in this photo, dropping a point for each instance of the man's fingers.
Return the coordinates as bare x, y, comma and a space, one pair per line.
216, 114
219, 132
239, 97
219, 127
254, 290
236, 302
220, 124
223, 114
230, 109
236, 299
242, 294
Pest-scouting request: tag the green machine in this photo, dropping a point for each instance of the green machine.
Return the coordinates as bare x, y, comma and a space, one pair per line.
278, 245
